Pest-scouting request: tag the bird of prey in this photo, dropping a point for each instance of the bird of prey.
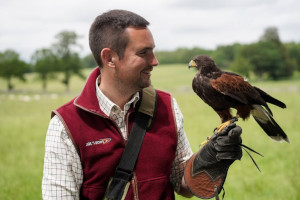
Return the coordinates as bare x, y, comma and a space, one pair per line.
223, 90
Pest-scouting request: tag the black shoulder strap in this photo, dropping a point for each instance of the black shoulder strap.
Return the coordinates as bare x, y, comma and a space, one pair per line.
118, 186
134, 143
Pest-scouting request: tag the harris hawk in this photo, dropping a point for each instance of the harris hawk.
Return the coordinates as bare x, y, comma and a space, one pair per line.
223, 90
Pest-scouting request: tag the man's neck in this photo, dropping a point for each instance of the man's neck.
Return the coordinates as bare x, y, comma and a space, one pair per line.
120, 98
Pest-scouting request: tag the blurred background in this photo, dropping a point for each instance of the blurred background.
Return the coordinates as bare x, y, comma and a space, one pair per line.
45, 59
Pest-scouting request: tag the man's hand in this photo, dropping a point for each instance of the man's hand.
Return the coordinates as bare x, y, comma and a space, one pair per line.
206, 171
223, 145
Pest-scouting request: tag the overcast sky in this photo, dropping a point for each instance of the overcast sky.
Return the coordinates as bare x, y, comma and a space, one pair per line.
28, 25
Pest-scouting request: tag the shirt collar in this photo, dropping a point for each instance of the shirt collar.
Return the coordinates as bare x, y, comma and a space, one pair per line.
107, 106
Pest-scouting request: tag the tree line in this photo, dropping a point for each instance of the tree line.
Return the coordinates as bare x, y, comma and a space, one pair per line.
266, 58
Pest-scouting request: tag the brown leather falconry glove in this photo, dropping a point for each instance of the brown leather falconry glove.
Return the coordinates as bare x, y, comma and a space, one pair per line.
206, 171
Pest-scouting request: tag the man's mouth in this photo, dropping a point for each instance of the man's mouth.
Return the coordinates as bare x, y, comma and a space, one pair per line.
147, 72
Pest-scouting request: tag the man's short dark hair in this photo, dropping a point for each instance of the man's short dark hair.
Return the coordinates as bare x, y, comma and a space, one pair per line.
108, 31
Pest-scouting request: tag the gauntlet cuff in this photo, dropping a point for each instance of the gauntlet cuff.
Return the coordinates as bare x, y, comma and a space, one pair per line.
204, 183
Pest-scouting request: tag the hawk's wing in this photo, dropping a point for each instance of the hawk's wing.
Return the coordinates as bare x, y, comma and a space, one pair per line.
234, 86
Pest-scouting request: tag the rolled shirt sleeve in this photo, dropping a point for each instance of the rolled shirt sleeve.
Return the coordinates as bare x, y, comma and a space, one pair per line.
183, 151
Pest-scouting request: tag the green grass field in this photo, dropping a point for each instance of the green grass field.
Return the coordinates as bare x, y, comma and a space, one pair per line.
25, 114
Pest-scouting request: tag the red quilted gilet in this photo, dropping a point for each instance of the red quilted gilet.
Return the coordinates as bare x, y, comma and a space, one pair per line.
100, 146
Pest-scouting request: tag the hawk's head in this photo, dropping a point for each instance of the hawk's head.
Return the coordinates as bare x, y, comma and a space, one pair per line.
204, 64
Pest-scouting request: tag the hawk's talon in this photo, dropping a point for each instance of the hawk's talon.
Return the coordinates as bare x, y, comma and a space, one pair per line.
222, 126
219, 128
204, 142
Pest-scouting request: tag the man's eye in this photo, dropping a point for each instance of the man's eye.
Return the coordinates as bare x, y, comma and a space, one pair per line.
143, 52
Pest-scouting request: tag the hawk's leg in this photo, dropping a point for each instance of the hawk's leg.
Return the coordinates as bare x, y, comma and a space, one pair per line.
223, 125
219, 128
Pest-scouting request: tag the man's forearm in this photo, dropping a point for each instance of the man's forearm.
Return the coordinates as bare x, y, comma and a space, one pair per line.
184, 190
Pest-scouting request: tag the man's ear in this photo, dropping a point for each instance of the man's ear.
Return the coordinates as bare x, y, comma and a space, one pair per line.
108, 57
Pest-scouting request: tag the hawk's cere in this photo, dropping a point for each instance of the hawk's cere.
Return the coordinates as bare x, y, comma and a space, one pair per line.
225, 90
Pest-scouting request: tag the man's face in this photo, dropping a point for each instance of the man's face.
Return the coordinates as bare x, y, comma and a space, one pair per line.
133, 71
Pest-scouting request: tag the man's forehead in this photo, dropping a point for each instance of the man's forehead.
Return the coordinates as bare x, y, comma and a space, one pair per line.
141, 36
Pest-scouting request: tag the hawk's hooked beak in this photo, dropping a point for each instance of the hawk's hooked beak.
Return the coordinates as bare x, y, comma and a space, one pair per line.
192, 64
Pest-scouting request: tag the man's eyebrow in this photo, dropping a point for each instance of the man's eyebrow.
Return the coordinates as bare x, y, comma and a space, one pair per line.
146, 49
149, 47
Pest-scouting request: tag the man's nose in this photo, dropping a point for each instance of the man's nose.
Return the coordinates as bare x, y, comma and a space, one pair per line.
154, 61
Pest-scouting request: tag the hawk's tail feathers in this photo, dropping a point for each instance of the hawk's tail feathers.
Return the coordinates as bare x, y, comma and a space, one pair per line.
270, 99
268, 124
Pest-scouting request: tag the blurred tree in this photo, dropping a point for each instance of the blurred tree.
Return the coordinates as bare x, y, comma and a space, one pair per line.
294, 53
12, 66
45, 64
69, 60
241, 66
271, 35
224, 55
269, 56
265, 58
89, 61
287, 65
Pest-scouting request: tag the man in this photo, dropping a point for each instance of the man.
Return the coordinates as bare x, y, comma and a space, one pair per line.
86, 137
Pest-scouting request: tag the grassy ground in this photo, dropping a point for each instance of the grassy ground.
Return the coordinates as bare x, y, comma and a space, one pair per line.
25, 114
